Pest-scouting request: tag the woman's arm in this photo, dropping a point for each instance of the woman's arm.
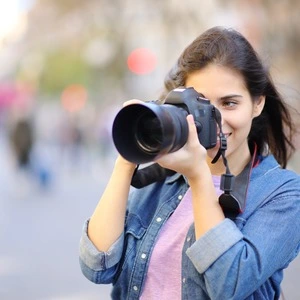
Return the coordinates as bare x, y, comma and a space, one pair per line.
207, 210
257, 248
191, 161
107, 222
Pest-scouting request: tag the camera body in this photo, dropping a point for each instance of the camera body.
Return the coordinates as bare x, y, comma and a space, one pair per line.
143, 132
201, 109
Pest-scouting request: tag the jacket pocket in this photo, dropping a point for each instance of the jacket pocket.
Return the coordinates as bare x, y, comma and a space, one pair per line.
134, 232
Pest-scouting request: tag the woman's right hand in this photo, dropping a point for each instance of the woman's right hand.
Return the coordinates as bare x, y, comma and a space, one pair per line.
133, 101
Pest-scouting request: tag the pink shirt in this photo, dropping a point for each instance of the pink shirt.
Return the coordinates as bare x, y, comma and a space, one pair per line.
163, 280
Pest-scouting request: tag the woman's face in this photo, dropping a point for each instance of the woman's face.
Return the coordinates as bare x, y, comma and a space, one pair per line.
226, 90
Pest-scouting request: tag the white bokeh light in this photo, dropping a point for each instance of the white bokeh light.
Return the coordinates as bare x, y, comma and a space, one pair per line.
12, 16
9, 14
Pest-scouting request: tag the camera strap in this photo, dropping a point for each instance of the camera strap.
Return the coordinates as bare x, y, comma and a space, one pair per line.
233, 200
149, 174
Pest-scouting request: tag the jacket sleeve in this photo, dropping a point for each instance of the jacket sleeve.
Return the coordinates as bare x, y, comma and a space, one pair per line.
235, 263
97, 266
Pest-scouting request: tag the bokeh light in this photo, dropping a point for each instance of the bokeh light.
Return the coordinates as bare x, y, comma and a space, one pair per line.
74, 98
141, 61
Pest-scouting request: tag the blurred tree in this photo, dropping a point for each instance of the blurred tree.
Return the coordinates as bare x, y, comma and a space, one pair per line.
61, 69
93, 38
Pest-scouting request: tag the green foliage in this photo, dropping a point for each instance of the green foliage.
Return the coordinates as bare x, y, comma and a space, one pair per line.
61, 69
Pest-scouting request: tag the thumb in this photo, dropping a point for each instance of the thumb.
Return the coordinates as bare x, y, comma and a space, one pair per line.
191, 124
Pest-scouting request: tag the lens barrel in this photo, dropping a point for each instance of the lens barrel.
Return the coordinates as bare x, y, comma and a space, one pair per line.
143, 132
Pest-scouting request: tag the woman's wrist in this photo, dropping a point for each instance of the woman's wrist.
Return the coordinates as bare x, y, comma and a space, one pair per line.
201, 174
124, 164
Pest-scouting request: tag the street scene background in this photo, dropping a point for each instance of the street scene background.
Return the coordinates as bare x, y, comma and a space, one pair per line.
66, 67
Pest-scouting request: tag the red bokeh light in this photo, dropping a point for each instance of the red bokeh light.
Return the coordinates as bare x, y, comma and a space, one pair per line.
141, 61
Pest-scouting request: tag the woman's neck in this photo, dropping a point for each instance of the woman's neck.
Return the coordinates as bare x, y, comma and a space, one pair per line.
216, 169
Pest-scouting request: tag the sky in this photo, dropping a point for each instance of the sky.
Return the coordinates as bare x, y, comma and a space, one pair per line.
10, 14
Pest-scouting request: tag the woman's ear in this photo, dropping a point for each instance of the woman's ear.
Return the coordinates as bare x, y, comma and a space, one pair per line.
259, 106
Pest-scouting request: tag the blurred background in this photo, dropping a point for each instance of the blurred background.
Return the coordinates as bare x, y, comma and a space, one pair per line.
66, 67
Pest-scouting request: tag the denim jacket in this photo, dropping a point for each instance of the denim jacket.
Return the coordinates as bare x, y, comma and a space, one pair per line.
238, 259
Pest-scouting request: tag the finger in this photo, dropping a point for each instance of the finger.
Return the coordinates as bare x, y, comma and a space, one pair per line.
193, 138
132, 101
191, 125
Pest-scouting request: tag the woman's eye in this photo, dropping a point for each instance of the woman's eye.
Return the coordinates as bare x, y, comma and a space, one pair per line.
229, 104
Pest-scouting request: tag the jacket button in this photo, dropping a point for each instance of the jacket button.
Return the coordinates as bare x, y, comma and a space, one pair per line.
180, 197
135, 288
158, 220
144, 255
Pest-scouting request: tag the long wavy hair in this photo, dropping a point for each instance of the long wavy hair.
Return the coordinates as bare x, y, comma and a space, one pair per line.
271, 131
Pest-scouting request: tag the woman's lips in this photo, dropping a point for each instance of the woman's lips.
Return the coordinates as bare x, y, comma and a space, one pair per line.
225, 134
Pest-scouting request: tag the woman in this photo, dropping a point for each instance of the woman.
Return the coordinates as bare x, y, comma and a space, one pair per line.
171, 239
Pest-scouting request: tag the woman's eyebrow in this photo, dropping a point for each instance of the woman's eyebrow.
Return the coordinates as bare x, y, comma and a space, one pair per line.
231, 96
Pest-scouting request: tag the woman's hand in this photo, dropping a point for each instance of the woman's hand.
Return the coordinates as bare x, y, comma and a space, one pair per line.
190, 159
132, 101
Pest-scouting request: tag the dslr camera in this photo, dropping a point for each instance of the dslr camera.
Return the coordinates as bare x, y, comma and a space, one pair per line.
143, 132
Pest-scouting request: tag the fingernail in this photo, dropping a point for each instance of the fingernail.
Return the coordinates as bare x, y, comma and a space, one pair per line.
191, 118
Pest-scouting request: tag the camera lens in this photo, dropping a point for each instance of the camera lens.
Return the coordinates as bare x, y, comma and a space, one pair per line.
142, 132
148, 133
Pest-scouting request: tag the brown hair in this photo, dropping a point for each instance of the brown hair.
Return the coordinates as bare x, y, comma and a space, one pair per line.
273, 129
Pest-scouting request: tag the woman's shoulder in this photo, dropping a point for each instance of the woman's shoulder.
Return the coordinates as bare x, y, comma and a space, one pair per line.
268, 178
270, 168
271, 184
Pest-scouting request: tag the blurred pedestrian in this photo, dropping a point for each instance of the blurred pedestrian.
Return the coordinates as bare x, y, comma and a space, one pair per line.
28, 158
22, 139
